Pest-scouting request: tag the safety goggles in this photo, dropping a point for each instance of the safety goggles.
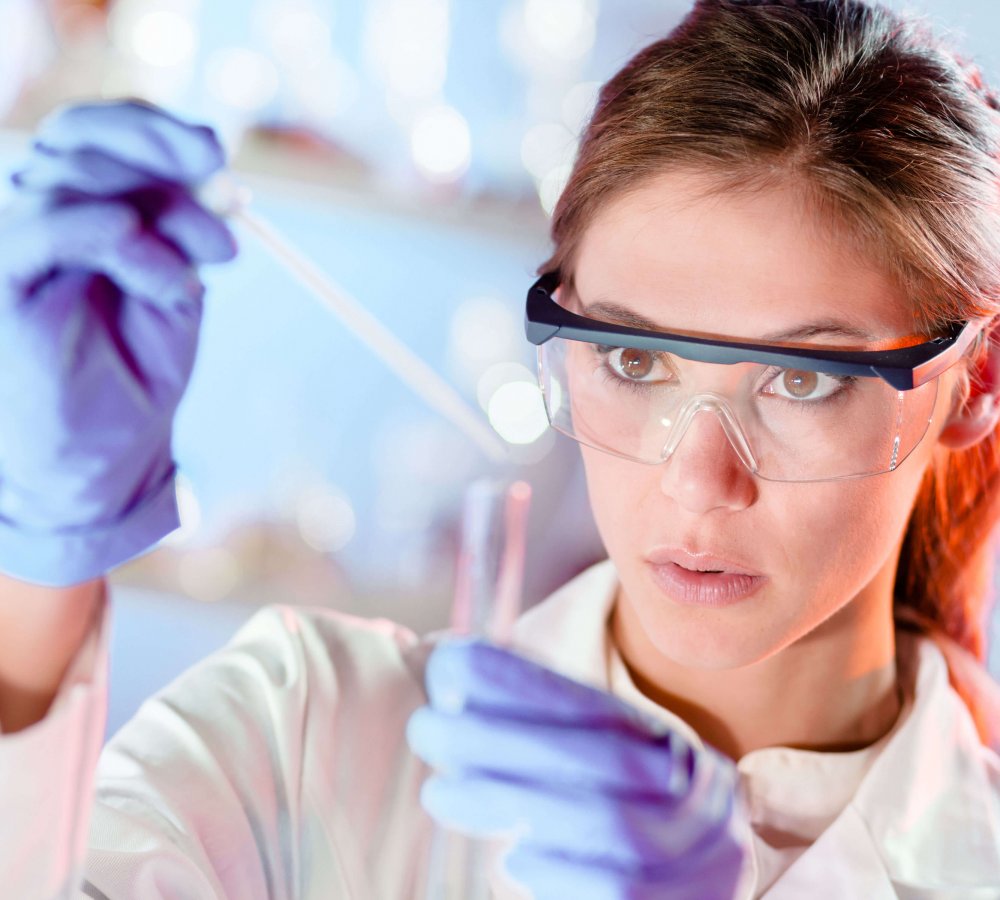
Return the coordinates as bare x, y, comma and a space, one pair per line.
791, 411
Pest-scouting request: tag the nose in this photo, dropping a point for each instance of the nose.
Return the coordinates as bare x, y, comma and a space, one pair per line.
704, 471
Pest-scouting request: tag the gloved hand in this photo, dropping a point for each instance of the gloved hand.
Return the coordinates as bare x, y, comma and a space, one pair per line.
606, 803
100, 305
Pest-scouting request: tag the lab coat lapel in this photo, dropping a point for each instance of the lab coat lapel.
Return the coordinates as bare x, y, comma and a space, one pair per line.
922, 824
843, 862
930, 798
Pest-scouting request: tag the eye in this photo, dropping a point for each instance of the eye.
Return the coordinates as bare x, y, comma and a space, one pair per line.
803, 385
631, 363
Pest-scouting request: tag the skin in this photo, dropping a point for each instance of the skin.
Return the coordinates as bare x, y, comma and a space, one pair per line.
809, 660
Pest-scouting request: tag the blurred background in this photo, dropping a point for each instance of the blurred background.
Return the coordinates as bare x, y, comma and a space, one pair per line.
414, 150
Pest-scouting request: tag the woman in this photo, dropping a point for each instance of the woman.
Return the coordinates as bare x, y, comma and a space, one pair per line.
769, 321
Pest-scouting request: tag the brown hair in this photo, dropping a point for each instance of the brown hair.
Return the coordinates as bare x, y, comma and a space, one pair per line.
885, 127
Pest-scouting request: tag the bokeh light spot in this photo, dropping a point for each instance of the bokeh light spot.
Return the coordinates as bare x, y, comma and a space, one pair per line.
517, 413
441, 144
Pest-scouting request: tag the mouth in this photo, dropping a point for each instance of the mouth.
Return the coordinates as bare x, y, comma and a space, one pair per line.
702, 579
701, 562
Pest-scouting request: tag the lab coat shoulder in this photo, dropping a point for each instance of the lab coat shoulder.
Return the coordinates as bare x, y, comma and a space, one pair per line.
924, 823
274, 768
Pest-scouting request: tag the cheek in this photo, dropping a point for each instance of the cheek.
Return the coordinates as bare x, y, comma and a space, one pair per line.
839, 535
618, 489
869, 516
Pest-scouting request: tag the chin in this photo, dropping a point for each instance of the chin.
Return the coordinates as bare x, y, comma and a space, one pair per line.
709, 652
711, 639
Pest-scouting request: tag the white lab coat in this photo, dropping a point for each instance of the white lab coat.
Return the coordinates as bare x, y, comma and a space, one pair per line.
277, 768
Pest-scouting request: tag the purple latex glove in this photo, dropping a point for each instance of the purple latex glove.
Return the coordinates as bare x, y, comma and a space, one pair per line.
100, 305
606, 804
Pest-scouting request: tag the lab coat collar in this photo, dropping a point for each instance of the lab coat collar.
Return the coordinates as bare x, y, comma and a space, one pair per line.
930, 797
923, 821
925, 818
568, 631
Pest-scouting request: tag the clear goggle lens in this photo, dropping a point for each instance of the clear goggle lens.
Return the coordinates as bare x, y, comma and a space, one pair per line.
785, 424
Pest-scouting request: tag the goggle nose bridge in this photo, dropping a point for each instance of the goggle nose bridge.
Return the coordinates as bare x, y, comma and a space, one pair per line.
708, 402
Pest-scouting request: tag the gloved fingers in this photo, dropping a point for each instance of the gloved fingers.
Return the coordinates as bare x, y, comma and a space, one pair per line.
714, 786
605, 760
443, 797
99, 236
465, 673
45, 345
59, 344
202, 236
86, 171
39, 241
624, 833
105, 375
78, 330
146, 267
142, 136
548, 875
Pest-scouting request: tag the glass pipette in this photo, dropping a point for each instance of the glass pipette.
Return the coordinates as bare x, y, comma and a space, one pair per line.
229, 198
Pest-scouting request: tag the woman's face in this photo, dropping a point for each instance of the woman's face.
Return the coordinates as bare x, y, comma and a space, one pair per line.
743, 264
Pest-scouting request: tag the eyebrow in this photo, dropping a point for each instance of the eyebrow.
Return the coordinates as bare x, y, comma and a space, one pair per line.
623, 316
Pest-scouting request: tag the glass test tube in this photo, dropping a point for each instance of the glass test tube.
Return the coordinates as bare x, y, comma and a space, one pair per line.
488, 589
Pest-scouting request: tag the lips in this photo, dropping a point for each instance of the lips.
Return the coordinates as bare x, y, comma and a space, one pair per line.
698, 561
696, 578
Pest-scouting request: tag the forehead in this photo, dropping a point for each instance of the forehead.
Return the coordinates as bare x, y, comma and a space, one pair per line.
741, 263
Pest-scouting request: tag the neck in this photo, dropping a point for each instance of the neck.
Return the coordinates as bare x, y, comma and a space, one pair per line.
833, 690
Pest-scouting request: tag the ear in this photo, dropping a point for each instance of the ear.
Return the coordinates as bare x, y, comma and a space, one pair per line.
974, 418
